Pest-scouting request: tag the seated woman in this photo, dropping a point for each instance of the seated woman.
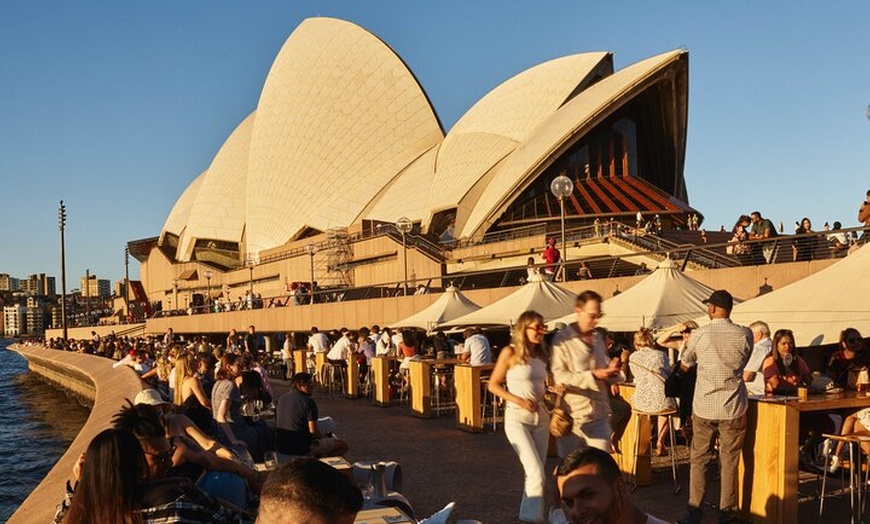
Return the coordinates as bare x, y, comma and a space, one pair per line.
650, 368
122, 480
848, 359
190, 396
784, 371
198, 457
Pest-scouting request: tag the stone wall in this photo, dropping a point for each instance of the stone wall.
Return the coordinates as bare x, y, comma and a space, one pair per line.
93, 379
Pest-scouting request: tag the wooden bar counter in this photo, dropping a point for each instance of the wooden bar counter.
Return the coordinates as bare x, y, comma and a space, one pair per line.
381, 373
351, 381
626, 458
468, 411
768, 476
300, 361
421, 388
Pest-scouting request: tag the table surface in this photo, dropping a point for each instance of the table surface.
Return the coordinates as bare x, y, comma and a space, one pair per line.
821, 402
381, 516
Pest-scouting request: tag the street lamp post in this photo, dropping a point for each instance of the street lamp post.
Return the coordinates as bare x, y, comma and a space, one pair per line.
61, 215
561, 187
175, 293
127, 281
311, 249
251, 282
404, 226
87, 297
208, 275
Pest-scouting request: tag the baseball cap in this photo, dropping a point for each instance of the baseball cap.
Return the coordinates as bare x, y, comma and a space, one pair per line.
721, 298
149, 396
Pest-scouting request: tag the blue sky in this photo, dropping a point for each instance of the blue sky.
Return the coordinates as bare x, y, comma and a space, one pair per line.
115, 107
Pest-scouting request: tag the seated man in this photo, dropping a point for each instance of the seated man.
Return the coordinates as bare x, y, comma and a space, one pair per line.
592, 489
307, 490
476, 350
297, 415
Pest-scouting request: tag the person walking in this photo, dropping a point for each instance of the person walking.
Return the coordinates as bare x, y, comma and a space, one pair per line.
719, 351
524, 367
580, 363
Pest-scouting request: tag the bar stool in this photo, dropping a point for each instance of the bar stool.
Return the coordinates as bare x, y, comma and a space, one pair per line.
442, 375
668, 415
489, 398
332, 377
857, 469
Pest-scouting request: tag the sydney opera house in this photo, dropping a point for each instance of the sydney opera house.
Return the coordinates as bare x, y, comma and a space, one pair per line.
344, 142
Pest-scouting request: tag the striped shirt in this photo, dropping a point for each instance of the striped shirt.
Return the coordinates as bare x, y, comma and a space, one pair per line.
721, 350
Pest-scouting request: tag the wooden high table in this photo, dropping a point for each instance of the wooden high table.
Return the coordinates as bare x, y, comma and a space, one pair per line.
468, 409
381, 374
421, 385
768, 475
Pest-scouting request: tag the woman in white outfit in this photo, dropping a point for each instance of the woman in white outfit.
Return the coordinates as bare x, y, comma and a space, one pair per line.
524, 367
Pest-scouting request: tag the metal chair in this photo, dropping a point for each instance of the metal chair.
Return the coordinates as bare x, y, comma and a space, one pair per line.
859, 474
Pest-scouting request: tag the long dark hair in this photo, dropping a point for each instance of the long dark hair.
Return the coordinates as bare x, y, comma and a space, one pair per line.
781, 368
114, 466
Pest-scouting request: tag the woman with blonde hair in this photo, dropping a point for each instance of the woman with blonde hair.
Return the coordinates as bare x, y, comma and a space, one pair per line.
189, 393
650, 368
524, 367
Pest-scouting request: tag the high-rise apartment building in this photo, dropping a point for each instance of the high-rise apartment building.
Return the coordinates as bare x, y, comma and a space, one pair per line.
8, 283
14, 320
95, 288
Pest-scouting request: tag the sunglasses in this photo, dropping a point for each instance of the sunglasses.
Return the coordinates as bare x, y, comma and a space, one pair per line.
537, 327
163, 457
782, 332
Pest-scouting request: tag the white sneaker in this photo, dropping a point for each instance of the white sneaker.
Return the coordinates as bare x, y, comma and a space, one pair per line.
834, 465
828, 447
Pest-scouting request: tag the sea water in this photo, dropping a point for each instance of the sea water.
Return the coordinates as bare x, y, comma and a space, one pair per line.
37, 423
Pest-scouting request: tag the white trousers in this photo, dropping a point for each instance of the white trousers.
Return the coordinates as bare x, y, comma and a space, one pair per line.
593, 433
529, 434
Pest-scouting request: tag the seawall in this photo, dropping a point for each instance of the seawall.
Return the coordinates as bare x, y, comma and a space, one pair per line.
98, 383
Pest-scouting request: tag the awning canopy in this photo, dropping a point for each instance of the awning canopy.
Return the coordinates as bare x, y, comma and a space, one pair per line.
540, 295
450, 305
665, 297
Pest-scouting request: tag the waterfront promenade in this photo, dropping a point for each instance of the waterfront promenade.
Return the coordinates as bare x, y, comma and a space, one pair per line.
480, 472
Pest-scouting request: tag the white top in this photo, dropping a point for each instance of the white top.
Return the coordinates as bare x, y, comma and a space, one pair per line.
319, 343
479, 348
527, 380
384, 344
287, 349
759, 351
340, 350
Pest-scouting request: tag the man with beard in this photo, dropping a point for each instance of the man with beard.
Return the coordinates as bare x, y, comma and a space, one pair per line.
593, 492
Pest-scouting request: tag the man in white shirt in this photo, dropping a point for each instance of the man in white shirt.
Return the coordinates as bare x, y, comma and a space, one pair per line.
341, 349
476, 350
384, 343
752, 375
318, 342
287, 355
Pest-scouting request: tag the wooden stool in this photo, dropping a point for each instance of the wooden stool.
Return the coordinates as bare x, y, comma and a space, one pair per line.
669, 415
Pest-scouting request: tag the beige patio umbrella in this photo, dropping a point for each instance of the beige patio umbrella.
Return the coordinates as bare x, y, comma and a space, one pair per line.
450, 305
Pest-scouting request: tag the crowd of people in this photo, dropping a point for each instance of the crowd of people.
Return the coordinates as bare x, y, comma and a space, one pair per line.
201, 415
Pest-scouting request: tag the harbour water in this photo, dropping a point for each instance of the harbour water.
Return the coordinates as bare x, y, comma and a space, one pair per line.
39, 423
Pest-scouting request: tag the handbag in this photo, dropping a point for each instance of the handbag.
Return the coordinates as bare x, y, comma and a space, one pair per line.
560, 421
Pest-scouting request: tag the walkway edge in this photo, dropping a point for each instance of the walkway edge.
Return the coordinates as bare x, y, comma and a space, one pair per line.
87, 376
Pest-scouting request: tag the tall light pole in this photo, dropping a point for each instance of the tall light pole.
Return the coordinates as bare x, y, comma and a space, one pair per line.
61, 216
561, 187
208, 275
127, 281
88, 296
175, 293
404, 226
251, 281
311, 249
